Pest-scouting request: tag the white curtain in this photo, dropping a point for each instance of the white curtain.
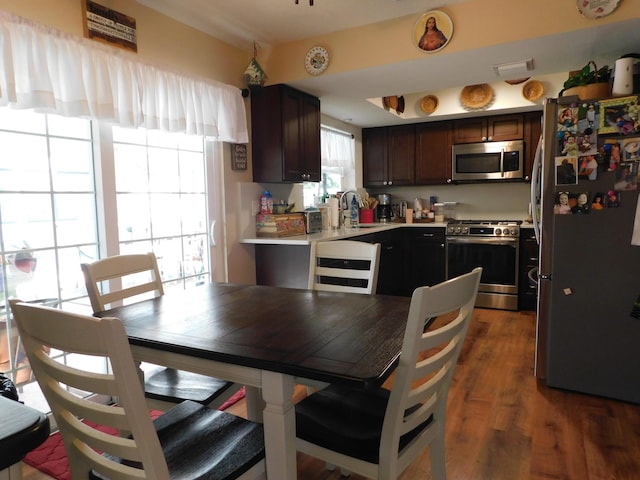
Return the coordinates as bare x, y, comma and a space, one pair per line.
337, 149
54, 72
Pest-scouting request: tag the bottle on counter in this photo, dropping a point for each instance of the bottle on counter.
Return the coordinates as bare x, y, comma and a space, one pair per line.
266, 202
354, 211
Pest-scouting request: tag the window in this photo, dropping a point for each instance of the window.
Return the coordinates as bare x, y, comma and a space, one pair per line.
152, 186
47, 219
162, 203
338, 166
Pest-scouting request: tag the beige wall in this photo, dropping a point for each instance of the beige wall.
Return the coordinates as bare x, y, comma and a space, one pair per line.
476, 26
161, 41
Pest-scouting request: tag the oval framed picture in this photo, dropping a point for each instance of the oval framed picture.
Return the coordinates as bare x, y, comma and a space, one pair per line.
432, 31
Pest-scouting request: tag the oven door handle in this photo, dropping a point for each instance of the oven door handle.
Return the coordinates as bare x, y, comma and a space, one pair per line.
511, 242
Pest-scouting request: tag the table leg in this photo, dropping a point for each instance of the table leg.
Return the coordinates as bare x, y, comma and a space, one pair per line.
255, 404
279, 425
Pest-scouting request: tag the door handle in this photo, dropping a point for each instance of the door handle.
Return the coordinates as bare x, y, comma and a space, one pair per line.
212, 233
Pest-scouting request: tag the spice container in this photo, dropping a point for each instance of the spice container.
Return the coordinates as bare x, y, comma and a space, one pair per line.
439, 212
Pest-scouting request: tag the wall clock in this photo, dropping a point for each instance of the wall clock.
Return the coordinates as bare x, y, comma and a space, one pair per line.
317, 60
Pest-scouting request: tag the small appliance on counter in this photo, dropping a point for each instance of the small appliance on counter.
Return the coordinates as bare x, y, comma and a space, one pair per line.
383, 209
313, 221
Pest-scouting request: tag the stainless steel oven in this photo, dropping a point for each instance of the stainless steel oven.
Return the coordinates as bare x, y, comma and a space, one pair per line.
492, 245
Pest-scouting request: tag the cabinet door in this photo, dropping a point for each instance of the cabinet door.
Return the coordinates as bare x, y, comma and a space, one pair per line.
401, 155
495, 128
527, 291
425, 257
374, 156
390, 274
470, 130
505, 127
311, 156
532, 130
433, 153
293, 151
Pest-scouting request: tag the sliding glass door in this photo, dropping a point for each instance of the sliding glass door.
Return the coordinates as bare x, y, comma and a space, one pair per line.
72, 192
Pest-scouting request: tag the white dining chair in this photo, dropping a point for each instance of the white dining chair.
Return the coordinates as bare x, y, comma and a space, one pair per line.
189, 441
344, 266
377, 433
135, 276
348, 266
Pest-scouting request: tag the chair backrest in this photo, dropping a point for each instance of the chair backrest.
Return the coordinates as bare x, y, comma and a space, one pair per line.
141, 269
437, 324
344, 266
66, 383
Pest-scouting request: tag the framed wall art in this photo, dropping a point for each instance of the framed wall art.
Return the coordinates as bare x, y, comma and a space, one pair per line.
108, 26
432, 31
238, 156
620, 115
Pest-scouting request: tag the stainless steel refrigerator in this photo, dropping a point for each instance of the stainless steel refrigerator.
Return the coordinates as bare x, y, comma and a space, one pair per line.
588, 321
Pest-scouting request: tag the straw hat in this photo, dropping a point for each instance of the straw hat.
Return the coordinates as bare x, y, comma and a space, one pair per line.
476, 96
532, 90
394, 103
390, 102
429, 103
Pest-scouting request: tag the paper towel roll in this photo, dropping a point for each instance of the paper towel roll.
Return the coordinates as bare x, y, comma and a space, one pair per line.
334, 209
623, 76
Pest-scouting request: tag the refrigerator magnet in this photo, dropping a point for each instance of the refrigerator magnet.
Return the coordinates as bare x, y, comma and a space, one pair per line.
566, 170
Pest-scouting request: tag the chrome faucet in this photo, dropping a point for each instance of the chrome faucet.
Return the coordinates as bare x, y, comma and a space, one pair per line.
346, 210
344, 198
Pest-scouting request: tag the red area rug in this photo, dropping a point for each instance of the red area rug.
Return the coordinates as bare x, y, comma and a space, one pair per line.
51, 458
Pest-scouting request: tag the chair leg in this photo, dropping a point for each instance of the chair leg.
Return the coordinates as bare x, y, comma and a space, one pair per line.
437, 456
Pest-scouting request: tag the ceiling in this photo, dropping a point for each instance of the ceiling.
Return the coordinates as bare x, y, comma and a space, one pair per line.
344, 95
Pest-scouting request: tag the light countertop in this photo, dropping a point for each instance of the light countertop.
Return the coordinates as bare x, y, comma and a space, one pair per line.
341, 233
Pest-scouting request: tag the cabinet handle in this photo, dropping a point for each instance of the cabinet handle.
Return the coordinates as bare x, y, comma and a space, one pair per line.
484, 139
428, 235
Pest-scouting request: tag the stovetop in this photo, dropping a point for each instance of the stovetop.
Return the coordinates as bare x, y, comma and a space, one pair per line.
484, 222
484, 228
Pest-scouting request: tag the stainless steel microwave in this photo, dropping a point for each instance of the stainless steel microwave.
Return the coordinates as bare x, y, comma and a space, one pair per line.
488, 161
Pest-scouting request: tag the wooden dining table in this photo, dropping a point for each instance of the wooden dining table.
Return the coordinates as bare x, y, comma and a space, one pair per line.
268, 339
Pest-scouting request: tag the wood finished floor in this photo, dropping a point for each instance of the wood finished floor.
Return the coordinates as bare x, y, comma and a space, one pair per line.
502, 424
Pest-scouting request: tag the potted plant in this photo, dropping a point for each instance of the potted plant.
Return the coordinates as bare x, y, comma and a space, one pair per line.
588, 83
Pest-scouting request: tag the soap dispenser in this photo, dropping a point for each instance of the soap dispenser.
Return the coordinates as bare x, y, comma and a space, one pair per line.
354, 211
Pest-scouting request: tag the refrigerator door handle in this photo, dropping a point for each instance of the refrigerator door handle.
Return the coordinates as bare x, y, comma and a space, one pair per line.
536, 189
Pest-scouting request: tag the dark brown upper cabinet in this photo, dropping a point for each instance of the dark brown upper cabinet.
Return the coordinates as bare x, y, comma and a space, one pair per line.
285, 135
488, 129
532, 131
389, 155
433, 153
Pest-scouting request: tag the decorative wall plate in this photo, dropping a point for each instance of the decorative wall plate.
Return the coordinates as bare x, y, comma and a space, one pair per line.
429, 103
596, 8
476, 96
532, 90
517, 81
433, 31
317, 60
